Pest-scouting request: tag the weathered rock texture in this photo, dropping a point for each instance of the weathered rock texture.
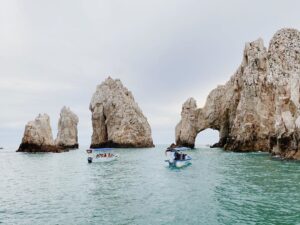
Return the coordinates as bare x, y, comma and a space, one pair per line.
67, 136
117, 119
258, 109
38, 136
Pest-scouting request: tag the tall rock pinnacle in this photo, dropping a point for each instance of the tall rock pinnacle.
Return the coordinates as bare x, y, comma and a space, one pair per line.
117, 119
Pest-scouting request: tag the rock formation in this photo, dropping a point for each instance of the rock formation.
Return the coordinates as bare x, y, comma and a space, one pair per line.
258, 109
38, 136
117, 119
67, 136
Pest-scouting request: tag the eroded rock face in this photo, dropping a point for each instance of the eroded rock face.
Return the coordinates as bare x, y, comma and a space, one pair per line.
258, 109
117, 119
38, 136
67, 136
186, 130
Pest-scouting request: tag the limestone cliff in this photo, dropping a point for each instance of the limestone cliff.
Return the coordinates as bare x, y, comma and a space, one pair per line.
67, 136
38, 136
258, 109
117, 119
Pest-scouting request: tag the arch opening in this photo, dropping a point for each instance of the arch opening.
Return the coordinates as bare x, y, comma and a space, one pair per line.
207, 137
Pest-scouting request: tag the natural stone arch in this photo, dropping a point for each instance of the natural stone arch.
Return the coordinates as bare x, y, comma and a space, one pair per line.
238, 109
213, 115
232, 108
258, 109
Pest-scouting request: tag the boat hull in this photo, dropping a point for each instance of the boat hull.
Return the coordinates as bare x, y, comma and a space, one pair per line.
103, 159
108, 159
179, 163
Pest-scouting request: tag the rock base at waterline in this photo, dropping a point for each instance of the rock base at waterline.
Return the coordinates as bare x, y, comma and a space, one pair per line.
32, 148
111, 144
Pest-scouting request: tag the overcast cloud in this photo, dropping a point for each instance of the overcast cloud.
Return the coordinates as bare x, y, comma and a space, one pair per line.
53, 53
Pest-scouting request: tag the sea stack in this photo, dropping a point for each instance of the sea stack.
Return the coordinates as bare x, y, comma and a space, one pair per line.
67, 136
258, 109
38, 136
117, 119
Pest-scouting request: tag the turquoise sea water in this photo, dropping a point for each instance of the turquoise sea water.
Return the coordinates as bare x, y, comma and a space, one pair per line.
218, 188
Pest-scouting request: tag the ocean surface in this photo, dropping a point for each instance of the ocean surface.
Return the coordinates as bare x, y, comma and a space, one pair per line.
139, 188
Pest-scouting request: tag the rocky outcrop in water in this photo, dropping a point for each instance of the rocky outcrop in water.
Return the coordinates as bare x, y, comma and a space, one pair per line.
186, 130
117, 119
38, 136
258, 109
67, 136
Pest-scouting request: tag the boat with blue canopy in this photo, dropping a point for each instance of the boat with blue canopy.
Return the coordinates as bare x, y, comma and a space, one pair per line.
177, 159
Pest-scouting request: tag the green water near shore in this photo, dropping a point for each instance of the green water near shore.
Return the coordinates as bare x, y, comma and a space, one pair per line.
218, 188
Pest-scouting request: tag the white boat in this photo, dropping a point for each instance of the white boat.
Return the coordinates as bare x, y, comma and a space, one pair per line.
177, 159
100, 155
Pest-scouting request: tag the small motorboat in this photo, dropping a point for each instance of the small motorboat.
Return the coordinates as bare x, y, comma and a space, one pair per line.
177, 159
100, 155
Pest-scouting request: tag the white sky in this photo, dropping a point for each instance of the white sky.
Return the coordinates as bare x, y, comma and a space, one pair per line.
53, 53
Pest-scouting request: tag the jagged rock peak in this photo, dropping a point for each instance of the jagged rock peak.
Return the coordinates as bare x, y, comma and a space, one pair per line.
186, 130
67, 136
258, 108
117, 119
38, 136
